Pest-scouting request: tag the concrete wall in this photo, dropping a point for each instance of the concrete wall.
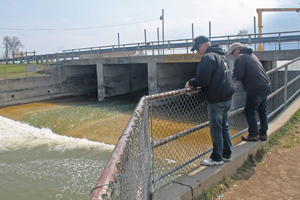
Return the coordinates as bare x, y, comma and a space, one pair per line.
66, 81
277, 55
124, 79
173, 76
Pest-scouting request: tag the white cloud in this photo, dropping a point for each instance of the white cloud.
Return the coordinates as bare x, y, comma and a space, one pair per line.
226, 17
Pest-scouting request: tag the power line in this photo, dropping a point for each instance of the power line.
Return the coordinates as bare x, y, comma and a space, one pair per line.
70, 29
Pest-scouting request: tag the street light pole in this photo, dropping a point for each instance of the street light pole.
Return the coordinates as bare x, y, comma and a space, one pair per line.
162, 17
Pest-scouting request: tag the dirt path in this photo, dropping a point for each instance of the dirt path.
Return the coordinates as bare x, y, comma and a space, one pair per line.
276, 177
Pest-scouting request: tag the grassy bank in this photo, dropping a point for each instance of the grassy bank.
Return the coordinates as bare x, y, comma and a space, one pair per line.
19, 71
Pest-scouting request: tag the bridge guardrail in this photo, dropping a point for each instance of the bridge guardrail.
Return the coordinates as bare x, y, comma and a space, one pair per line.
168, 135
270, 41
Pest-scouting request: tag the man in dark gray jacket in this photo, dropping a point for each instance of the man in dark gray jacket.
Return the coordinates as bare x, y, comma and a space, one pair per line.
215, 80
249, 70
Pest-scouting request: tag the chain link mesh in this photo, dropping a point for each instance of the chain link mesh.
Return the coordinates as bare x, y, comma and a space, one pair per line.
171, 134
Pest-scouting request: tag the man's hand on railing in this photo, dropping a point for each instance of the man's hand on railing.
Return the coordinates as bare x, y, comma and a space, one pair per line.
187, 86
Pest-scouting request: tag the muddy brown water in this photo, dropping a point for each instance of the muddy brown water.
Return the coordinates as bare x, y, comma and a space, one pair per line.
80, 117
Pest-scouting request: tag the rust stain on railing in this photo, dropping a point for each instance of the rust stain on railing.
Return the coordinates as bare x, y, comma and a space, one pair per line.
102, 186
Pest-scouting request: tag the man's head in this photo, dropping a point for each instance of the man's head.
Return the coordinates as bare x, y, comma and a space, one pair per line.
200, 44
235, 49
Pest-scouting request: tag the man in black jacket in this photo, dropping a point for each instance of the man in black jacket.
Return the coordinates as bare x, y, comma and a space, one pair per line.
215, 80
249, 70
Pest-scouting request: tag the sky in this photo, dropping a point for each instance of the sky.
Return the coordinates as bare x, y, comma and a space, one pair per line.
48, 27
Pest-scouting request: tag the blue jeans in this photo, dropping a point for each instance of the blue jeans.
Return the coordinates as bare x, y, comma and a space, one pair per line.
257, 101
218, 118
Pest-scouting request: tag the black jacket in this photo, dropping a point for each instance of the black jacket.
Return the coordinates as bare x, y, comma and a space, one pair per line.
249, 70
213, 76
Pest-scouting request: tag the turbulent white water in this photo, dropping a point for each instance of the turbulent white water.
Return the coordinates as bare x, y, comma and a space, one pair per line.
39, 164
15, 135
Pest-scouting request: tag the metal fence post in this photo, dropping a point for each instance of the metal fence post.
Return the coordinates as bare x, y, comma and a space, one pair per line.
13, 57
5, 74
21, 58
285, 85
45, 70
27, 72
26, 57
279, 45
228, 43
187, 47
152, 49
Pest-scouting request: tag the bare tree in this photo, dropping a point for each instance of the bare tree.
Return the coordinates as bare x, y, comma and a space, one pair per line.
11, 45
242, 33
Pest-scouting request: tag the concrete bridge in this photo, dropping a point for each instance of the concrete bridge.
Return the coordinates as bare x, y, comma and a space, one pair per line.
155, 74
159, 67
151, 67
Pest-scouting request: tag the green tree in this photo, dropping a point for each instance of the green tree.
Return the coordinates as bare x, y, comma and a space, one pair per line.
11, 45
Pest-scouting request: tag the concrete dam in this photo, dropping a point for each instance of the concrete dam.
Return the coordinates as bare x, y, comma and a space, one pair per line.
114, 76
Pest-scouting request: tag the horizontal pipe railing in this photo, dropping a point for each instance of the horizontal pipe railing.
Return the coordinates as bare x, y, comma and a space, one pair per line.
186, 132
250, 39
116, 157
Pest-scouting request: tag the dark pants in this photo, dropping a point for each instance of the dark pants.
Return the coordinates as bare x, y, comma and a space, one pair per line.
219, 131
257, 101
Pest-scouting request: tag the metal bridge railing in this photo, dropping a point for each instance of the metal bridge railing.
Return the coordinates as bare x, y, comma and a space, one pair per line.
168, 134
270, 41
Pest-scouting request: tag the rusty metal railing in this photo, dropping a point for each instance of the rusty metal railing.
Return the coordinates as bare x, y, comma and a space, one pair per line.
168, 134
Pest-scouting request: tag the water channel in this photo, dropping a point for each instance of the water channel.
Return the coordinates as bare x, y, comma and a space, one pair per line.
57, 149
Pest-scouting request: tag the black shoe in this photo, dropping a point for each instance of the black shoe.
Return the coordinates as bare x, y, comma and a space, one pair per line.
263, 137
250, 138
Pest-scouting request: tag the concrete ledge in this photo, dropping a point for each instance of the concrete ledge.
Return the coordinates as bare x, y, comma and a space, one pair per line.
5, 103
202, 178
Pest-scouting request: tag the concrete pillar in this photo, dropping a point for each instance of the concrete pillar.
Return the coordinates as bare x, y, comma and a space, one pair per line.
100, 81
152, 78
268, 65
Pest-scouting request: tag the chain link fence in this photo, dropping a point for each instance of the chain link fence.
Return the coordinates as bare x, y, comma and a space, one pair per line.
169, 134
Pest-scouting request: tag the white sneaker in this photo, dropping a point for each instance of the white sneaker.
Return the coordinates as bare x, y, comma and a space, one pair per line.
227, 159
209, 162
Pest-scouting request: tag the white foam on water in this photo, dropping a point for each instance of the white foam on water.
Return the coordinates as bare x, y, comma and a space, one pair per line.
16, 135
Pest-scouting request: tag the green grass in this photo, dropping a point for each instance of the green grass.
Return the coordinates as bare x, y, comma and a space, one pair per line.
19, 71
286, 138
